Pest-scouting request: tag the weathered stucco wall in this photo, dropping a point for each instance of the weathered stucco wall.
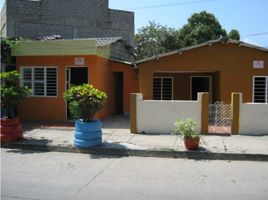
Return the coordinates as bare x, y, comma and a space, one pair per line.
253, 118
159, 116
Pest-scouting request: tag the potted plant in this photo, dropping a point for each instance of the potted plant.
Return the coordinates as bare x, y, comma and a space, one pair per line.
186, 130
11, 95
83, 102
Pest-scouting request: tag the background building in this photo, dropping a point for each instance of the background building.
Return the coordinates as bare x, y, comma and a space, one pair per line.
68, 18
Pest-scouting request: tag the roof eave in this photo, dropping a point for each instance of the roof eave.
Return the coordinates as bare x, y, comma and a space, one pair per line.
240, 43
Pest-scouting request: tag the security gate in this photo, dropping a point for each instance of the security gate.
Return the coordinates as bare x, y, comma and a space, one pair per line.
220, 118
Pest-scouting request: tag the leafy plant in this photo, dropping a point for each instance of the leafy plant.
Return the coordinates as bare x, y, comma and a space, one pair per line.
6, 45
11, 93
84, 101
186, 128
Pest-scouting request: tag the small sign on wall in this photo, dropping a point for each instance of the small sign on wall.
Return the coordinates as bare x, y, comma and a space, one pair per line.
79, 61
258, 64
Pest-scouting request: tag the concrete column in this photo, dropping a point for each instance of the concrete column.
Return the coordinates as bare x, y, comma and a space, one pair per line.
204, 112
236, 100
133, 112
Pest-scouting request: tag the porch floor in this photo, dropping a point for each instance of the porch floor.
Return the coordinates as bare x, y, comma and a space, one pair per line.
219, 130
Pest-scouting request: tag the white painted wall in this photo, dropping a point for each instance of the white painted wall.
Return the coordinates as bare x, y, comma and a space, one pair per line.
253, 119
155, 116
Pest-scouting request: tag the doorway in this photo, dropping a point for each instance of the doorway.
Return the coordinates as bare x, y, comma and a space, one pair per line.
75, 76
118, 81
201, 84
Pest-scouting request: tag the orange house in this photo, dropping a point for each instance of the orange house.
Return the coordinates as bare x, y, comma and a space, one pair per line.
218, 67
50, 67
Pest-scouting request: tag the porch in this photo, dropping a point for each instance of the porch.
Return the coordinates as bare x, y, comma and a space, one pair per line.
185, 85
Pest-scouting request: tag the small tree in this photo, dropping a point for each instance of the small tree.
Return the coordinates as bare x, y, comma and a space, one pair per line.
84, 101
234, 34
11, 93
155, 39
201, 27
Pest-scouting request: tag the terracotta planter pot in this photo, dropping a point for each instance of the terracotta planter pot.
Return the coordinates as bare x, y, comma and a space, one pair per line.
192, 143
10, 130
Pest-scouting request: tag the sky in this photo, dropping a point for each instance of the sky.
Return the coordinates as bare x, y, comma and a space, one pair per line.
249, 17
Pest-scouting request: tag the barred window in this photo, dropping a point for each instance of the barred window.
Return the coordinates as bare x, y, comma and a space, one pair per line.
42, 80
260, 89
163, 88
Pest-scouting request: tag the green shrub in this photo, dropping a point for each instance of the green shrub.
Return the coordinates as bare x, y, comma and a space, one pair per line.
84, 101
11, 93
186, 128
6, 45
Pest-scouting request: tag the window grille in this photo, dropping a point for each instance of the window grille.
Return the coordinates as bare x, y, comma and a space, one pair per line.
163, 88
42, 80
260, 86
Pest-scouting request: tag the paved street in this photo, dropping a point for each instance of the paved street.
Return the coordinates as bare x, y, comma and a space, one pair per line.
52, 175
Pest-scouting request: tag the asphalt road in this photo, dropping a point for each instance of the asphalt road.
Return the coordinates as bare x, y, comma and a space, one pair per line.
28, 175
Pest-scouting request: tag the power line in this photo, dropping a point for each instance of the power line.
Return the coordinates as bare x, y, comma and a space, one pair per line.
256, 34
171, 4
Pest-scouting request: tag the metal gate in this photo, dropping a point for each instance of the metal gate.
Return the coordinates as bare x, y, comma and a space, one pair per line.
220, 118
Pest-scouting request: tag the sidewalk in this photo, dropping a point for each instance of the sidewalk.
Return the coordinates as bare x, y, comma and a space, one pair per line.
117, 140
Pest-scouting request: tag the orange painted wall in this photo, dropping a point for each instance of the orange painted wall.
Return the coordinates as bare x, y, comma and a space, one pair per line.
100, 74
103, 81
130, 81
51, 108
233, 64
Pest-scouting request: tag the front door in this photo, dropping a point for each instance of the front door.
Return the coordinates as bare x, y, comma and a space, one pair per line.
118, 77
75, 76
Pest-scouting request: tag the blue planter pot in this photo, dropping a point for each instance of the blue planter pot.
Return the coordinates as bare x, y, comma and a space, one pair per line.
87, 134
86, 143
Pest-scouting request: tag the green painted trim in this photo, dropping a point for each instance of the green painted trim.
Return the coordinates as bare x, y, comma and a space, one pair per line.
104, 52
60, 48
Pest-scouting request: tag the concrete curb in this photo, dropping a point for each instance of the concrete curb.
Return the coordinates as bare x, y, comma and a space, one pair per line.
159, 153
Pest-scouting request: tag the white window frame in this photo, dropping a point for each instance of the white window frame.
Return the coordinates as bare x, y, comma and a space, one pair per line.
67, 78
172, 87
33, 81
253, 88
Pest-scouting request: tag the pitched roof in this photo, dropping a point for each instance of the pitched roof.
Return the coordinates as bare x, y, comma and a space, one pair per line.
239, 43
104, 41
100, 42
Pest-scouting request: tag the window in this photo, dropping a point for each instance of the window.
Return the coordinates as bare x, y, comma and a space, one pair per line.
42, 80
163, 88
260, 87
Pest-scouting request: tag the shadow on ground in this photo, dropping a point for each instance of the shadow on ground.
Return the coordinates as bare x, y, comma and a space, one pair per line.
24, 151
23, 146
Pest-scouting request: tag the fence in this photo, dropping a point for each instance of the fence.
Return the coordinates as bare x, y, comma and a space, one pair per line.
253, 118
155, 116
